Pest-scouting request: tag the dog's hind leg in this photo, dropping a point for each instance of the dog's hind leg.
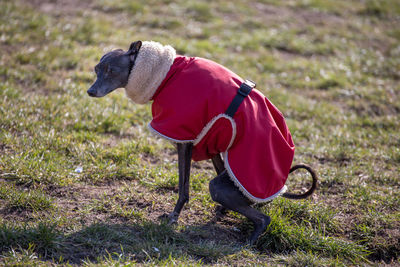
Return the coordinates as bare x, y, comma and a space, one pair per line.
218, 163
219, 168
223, 191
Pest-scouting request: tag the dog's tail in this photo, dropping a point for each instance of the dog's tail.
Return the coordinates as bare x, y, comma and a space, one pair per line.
313, 186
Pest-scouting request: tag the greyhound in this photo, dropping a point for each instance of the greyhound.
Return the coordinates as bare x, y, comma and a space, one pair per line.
125, 69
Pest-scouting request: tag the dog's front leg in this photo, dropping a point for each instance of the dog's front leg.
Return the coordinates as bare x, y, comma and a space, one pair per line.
184, 161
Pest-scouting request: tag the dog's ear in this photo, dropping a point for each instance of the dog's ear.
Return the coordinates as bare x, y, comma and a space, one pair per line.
134, 48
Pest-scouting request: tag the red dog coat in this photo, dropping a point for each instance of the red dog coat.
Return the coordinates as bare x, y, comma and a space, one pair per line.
256, 144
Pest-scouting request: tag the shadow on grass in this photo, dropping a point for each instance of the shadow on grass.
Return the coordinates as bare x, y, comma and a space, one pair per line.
142, 242
159, 243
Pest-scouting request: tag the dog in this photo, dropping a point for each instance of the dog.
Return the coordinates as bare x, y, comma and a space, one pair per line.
208, 111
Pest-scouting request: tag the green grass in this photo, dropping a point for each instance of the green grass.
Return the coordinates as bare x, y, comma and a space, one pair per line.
332, 68
31, 200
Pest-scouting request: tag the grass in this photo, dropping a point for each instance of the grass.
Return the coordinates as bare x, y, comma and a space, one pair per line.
82, 182
32, 200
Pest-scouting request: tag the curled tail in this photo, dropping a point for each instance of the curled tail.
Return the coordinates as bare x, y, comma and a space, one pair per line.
314, 182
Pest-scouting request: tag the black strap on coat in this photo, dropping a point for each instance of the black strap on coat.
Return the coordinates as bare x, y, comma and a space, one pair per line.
244, 90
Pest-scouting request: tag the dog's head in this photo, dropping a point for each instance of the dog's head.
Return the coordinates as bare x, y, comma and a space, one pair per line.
113, 70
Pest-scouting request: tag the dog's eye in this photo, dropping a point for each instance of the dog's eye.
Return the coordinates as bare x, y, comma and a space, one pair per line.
112, 71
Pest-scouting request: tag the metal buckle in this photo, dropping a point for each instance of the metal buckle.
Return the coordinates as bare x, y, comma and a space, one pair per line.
246, 87
250, 83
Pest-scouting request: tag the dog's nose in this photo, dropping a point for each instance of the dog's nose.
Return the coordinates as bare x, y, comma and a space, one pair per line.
91, 92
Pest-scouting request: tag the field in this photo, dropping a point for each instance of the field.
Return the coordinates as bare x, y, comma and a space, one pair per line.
83, 182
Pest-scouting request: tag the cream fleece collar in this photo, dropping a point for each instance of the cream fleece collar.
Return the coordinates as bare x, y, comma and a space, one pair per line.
151, 67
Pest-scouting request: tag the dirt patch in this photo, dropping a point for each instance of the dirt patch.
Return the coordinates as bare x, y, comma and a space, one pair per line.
60, 7
5, 148
384, 243
114, 139
298, 18
16, 215
92, 204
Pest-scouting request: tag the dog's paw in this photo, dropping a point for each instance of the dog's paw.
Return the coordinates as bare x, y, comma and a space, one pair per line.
220, 211
171, 218
259, 228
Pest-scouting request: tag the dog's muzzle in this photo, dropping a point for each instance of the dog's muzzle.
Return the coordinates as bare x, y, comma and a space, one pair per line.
91, 92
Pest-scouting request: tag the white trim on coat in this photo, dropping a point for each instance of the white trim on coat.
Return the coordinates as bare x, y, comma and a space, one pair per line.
202, 133
211, 123
241, 187
167, 137
232, 176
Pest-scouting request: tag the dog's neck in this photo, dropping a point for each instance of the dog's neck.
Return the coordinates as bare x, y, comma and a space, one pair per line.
151, 67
